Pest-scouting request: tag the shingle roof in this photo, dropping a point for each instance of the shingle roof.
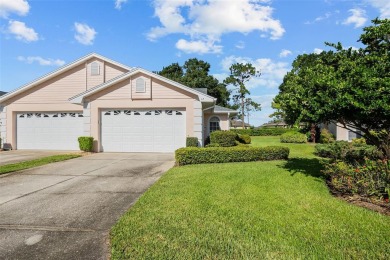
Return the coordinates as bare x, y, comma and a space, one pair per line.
223, 109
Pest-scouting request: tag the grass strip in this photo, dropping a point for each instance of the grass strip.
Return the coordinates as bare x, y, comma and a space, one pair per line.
36, 162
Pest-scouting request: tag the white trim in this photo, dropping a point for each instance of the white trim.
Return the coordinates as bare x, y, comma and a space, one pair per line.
58, 72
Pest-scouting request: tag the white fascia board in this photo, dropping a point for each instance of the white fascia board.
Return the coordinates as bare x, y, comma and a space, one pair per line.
58, 72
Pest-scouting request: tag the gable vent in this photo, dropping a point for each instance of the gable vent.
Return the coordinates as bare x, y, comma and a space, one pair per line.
140, 85
95, 68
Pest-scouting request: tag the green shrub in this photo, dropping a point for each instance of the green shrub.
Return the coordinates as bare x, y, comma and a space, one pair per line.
326, 137
212, 145
193, 155
359, 141
86, 143
347, 152
264, 131
192, 142
244, 138
370, 178
223, 138
293, 137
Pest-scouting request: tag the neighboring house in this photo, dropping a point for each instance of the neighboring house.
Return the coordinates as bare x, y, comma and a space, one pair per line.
237, 124
124, 109
340, 133
281, 124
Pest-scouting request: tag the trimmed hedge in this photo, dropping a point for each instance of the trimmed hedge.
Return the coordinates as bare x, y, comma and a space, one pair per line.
269, 131
192, 155
293, 137
86, 143
244, 139
223, 138
192, 142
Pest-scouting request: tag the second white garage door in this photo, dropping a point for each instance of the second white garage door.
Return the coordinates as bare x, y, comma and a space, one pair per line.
158, 130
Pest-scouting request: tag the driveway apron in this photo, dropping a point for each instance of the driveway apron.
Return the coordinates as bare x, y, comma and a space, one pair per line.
65, 210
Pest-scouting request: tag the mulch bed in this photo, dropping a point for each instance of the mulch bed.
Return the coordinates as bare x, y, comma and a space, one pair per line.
374, 204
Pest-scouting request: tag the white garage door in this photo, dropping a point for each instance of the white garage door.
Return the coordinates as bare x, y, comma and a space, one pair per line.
159, 130
49, 131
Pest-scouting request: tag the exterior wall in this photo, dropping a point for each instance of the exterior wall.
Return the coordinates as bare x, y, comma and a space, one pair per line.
148, 87
339, 132
223, 123
52, 96
118, 96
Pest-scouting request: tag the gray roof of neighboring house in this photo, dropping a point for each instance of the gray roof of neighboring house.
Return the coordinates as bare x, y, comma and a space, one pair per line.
223, 109
237, 123
203, 90
2, 93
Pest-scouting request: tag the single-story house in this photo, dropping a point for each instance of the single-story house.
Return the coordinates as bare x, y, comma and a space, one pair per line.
281, 124
340, 133
125, 109
237, 124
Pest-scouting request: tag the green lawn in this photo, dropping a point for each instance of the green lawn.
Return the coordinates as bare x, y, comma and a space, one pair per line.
37, 162
254, 210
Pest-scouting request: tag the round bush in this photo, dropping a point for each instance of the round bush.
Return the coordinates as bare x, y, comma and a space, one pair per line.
223, 138
326, 137
293, 137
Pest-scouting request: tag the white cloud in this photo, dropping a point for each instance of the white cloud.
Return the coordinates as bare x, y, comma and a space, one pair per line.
272, 73
383, 6
84, 34
240, 45
19, 7
21, 31
284, 53
119, 3
207, 21
200, 46
358, 17
322, 17
317, 50
41, 61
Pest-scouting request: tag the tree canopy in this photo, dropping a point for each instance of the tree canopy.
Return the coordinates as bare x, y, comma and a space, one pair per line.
195, 74
240, 74
348, 86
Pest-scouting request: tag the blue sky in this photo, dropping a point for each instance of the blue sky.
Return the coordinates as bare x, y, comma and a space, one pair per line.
39, 36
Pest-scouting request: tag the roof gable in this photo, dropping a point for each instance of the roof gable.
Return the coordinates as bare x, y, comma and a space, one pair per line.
78, 99
59, 71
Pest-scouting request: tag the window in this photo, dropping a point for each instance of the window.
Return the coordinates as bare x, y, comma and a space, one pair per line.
214, 124
95, 68
140, 85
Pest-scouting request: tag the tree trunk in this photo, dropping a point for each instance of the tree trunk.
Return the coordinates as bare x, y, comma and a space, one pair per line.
313, 133
243, 112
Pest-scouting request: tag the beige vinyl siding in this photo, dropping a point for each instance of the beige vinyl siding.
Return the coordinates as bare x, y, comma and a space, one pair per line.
112, 71
55, 90
163, 90
121, 90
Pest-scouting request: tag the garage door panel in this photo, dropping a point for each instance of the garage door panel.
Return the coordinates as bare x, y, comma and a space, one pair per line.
49, 131
158, 130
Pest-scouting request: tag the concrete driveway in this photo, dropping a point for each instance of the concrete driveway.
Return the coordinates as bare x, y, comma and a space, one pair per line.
15, 156
65, 210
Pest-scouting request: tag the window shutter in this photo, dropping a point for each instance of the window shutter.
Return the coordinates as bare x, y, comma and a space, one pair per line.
95, 68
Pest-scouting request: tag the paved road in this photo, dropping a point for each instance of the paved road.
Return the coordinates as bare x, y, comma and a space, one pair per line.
65, 210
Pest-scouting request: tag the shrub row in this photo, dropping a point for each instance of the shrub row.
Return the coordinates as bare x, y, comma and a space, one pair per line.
370, 178
347, 152
192, 155
293, 137
265, 131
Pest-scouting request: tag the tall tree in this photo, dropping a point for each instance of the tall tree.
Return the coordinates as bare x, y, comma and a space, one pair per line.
250, 106
240, 74
195, 74
351, 87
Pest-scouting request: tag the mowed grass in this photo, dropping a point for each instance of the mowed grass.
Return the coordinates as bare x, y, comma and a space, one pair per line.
37, 162
254, 210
